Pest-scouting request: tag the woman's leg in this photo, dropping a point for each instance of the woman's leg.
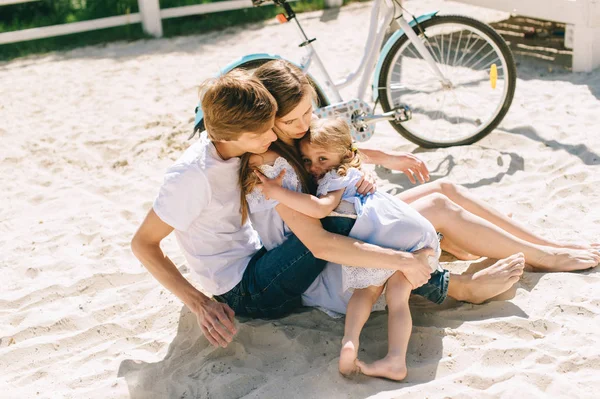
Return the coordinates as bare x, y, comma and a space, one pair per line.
357, 314
462, 197
477, 235
393, 366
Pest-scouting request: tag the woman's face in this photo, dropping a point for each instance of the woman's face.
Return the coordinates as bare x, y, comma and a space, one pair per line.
295, 124
317, 160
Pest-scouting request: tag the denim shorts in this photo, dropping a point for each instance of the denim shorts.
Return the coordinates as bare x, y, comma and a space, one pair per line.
273, 282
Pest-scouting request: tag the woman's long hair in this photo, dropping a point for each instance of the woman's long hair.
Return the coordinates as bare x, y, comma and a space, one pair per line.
248, 180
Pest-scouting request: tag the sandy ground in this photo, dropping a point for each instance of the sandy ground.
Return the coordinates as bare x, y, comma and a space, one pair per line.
86, 136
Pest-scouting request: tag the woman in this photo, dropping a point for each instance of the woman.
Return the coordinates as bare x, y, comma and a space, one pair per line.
295, 98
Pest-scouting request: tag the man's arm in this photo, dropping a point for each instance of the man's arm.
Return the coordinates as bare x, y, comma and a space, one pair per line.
351, 252
215, 319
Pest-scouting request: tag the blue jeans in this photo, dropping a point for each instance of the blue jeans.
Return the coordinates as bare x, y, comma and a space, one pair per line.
273, 282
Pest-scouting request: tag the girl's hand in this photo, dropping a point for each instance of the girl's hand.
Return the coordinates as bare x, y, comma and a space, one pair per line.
367, 185
269, 186
410, 165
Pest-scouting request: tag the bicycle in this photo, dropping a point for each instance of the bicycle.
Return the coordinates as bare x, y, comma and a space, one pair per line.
441, 80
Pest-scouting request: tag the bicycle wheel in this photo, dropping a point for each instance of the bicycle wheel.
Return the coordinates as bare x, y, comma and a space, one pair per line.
481, 80
250, 66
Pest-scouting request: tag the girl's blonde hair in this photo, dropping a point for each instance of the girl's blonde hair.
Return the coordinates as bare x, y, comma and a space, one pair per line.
286, 83
248, 180
333, 135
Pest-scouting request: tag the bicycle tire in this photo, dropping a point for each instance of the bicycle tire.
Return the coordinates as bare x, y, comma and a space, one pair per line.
419, 131
255, 64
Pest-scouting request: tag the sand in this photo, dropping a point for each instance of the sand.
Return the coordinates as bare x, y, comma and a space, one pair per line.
86, 136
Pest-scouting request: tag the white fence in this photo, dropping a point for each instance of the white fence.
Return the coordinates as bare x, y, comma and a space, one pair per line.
150, 16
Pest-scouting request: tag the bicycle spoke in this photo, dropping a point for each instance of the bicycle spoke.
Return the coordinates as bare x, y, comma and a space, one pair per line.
457, 48
492, 51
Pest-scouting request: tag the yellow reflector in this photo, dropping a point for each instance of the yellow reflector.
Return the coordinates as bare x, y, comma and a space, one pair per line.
493, 75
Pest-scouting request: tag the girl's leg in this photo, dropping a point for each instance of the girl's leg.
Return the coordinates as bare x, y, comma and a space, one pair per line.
393, 366
479, 236
357, 314
462, 197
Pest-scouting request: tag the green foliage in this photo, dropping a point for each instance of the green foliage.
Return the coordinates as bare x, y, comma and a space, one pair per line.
53, 12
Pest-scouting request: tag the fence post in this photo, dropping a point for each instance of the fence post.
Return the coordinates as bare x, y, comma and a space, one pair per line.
151, 21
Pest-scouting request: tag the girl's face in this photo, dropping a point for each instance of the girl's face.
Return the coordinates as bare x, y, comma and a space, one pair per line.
295, 124
317, 160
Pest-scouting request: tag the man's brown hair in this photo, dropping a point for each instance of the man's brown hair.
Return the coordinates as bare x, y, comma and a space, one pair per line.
236, 103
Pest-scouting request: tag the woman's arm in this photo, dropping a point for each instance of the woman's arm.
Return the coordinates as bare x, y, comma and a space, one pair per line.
349, 251
404, 162
315, 207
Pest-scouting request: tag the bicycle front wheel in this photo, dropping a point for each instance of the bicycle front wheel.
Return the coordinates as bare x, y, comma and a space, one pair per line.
478, 86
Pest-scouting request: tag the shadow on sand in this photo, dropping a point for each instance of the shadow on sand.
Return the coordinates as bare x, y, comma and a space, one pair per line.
301, 349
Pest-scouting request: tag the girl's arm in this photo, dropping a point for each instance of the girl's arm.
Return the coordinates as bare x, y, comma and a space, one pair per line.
315, 207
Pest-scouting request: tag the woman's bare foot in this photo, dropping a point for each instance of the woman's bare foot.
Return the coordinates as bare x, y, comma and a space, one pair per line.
565, 259
392, 367
489, 282
452, 248
348, 356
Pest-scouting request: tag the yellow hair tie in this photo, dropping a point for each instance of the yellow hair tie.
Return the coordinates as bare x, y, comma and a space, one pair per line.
354, 148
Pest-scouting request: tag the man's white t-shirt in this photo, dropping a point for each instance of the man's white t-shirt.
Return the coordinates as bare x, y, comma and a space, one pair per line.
200, 199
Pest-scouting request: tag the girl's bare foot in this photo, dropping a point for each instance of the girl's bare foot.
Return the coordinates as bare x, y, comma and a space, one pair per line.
491, 281
392, 367
565, 259
348, 356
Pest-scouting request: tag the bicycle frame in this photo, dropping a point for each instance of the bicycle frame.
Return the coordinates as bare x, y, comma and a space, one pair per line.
372, 58
384, 9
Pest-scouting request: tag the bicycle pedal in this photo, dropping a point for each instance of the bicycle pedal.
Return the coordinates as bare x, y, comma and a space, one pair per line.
353, 112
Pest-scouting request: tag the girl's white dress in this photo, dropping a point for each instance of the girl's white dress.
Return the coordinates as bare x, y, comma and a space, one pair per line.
382, 220
410, 231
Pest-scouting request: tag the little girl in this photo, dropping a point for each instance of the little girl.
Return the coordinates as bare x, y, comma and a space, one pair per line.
334, 163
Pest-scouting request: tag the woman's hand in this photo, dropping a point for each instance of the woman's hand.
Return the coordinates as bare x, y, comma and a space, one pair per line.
268, 186
419, 271
410, 165
367, 185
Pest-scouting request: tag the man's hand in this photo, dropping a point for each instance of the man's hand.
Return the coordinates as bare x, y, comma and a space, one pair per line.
418, 272
410, 165
216, 322
269, 186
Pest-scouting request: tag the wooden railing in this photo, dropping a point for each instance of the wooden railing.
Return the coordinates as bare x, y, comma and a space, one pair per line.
150, 16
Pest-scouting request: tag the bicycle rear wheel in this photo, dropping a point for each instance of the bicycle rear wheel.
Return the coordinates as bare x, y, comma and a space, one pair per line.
251, 66
482, 78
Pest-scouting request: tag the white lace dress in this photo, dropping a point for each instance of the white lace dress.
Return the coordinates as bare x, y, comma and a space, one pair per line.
382, 220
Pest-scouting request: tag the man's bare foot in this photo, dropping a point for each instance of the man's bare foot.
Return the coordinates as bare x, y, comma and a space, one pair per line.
392, 367
566, 259
489, 282
348, 356
452, 248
